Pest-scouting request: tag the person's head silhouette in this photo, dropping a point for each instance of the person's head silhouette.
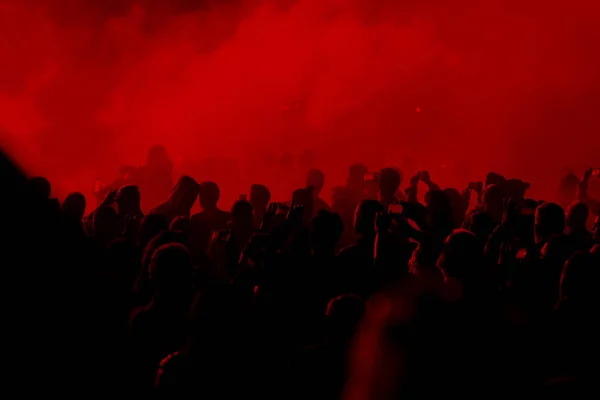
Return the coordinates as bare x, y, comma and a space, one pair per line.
462, 257
549, 221
327, 228
128, 200
365, 216
316, 179
39, 188
493, 201
481, 224
577, 215
580, 277
180, 225
209, 195
494, 178
105, 223
184, 194
259, 197
242, 216
74, 206
389, 180
344, 314
170, 272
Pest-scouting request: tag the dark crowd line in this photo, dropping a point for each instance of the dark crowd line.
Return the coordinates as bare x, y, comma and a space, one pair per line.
378, 293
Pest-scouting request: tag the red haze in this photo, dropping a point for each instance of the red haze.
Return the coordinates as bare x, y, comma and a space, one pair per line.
88, 85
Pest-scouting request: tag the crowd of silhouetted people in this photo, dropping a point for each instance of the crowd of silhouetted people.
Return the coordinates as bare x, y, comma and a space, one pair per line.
394, 288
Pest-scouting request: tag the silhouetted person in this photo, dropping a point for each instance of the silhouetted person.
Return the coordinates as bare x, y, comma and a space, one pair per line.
576, 230
227, 245
345, 199
142, 287
576, 322
481, 224
355, 262
218, 351
493, 198
128, 202
155, 177
150, 226
105, 226
318, 277
316, 179
515, 189
260, 196
74, 206
389, 181
209, 220
159, 328
584, 196
461, 264
567, 190
211, 215
320, 370
326, 230
458, 205
493, 178
181, 201
180, 225
39, 188
549, 221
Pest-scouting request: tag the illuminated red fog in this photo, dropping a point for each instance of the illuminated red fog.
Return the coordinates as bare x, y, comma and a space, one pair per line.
462, 87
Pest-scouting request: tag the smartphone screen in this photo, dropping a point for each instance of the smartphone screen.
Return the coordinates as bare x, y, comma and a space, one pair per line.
369, 177
596, 172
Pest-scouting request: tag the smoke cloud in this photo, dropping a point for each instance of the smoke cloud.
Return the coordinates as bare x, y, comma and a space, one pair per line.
507, 85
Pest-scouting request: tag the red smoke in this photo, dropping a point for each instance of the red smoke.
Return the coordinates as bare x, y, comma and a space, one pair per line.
475, 85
